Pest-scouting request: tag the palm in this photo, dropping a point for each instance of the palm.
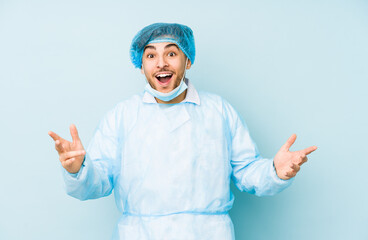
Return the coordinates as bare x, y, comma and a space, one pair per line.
287, 164
71, 154
71, 146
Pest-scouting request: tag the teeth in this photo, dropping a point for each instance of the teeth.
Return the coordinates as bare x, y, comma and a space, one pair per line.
163, 75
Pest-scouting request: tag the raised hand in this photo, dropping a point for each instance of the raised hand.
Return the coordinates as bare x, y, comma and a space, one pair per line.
287, 164
71, 154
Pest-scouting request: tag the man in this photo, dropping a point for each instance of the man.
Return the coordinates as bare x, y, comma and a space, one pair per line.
169, 153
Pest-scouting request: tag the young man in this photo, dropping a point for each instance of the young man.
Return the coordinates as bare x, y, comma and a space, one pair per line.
170, 152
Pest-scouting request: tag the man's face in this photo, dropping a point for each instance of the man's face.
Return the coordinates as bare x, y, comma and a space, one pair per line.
163, 64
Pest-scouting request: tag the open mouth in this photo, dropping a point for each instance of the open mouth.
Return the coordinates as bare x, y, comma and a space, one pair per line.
164, 77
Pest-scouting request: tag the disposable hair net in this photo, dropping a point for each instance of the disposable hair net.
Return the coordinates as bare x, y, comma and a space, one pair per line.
179, 34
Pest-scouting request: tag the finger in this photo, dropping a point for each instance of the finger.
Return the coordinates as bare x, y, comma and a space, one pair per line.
59, 146
295, 167
309, 150
303, 160
290, 174
54, 135
289, 142
298, 159
68, 162
74, 133
72, 154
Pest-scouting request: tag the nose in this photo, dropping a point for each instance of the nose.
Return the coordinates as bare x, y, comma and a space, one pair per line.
161, 62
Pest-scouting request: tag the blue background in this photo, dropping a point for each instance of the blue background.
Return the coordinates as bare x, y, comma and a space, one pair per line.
286, 66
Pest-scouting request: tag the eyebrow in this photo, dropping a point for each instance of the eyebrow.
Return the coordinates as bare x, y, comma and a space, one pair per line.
171, 45
167, 46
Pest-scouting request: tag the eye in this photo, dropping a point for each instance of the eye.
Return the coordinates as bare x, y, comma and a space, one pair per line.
149, 55
172, 54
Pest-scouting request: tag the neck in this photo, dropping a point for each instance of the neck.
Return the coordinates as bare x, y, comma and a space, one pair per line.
178, 99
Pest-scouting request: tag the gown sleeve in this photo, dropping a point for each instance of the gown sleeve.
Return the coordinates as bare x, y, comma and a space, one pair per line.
250, 172
95, 179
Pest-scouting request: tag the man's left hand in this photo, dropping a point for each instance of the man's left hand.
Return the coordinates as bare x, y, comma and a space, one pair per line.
287, 164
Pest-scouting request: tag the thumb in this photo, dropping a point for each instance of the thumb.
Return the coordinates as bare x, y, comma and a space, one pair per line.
289, 142
74, 133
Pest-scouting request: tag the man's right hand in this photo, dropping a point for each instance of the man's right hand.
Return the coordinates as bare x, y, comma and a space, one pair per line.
71, 154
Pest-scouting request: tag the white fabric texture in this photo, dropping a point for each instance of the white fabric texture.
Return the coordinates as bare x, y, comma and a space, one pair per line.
170, 166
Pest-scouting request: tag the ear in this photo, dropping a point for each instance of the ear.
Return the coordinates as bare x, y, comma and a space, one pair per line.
142, 71
189, 64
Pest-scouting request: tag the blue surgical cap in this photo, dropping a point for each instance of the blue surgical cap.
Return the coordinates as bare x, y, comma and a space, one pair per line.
179, 34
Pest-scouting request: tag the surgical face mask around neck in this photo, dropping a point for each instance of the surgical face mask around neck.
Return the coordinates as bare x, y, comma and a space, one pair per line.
172, 94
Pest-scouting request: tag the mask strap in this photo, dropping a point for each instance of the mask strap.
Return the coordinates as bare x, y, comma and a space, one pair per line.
185, 69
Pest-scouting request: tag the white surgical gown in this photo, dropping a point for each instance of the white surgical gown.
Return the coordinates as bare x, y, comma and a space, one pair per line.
170, 167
